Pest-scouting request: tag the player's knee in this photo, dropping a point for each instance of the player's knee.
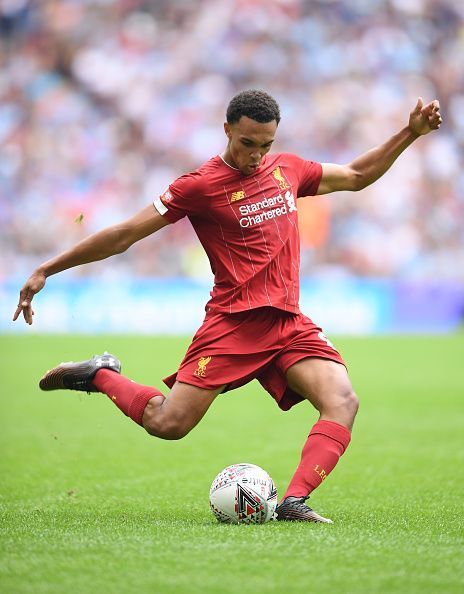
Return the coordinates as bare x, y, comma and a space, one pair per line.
166, 429
175, 431
342, 401
350, 402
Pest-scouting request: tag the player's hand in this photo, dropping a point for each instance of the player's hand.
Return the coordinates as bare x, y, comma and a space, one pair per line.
425, 118
34, 284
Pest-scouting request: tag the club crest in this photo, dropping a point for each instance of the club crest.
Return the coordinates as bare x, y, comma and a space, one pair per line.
283, 185
200, 371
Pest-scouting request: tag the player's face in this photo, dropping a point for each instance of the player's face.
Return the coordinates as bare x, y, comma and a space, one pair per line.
248, 142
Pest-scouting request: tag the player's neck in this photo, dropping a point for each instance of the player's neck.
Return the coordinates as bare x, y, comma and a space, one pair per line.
227, 158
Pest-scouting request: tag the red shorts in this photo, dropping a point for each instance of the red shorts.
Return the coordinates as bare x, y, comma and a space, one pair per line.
262, 343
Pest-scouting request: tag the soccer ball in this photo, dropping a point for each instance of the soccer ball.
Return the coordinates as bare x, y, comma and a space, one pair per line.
243, 494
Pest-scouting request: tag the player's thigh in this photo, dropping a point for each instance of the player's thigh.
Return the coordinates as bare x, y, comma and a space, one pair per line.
183, 408
325, 383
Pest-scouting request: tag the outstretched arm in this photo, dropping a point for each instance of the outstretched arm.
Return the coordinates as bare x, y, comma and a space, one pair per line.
108, 242
367, 168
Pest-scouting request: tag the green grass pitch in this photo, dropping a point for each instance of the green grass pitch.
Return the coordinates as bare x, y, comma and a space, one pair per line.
90, 503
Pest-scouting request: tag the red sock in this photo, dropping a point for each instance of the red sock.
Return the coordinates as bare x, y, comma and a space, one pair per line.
325, 444
128, 396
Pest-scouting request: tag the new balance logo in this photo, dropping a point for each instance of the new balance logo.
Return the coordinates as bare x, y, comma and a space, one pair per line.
237, 196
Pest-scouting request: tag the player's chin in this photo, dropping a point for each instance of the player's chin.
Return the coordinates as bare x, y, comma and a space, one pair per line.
249, 169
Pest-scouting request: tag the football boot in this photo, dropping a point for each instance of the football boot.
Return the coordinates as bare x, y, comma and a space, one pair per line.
78, 375
294, 509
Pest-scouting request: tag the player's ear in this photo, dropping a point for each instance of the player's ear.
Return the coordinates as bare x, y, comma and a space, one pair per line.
227, 130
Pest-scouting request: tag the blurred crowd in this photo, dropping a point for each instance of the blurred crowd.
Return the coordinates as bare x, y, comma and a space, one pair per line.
104, 102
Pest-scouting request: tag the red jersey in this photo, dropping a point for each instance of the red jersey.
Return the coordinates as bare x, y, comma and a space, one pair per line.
248, 226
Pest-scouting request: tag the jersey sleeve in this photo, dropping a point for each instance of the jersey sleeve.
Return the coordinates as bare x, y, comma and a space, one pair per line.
181, 198
310, 174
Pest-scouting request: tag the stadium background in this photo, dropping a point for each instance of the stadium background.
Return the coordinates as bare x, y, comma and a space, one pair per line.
103, 103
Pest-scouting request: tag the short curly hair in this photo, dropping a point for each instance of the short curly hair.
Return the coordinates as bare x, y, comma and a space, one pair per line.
256, 105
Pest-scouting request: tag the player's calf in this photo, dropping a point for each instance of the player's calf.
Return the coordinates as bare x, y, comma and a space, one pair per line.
175, 416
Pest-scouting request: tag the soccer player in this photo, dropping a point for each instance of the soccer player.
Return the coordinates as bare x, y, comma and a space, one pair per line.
243, 207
